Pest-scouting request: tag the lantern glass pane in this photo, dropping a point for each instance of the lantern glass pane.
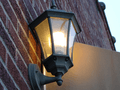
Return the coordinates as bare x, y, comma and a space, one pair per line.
43, 32
60, 30
72, 34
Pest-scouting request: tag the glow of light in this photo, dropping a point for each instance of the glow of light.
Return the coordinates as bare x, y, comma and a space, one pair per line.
59, 39
49, 42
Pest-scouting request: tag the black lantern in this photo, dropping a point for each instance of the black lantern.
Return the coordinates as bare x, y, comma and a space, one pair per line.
55, 30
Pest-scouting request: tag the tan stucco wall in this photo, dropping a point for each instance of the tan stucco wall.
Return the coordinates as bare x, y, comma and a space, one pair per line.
94, 69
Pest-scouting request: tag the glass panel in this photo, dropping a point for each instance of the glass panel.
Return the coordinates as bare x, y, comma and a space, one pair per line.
43, 32
71, 39
60, 30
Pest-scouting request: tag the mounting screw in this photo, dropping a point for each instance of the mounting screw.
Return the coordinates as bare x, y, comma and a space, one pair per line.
54, 58
36, 71
66, 59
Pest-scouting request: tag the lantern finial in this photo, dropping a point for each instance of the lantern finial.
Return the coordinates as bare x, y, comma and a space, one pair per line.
53, 6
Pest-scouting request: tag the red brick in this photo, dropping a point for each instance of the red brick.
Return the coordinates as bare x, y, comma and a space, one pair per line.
25, 11
37, 2
43, 4
1, 87
33, 56
36, 8
2, 15
16, 75
41, 9
7, 41
19, 15
4, 76
18, 44
22, 68
48, 4
24, 55
2, 51
32, 40
23, 38
28, 47
9, 12
58, 4
29, 6
38, 50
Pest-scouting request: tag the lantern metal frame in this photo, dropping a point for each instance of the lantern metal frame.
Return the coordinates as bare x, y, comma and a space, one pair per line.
57, 64
55, 13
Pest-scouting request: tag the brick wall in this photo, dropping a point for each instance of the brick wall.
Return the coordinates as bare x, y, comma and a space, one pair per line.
18, 48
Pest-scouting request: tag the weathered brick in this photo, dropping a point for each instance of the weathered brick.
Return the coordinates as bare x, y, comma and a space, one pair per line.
9, 12
18, 44
38, 50
1, 87
58, 4
16, 75
2, 51
2, 15
7, 40
29, 6
36, 9
48, 3
32, 54
43, 4
28, 46
23, 38
41, 9
19, 15
22, 68
6, 78
37, 2
25, 11
32, 40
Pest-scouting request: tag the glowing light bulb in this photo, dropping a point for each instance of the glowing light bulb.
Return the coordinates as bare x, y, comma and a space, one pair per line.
60, 42
59, 39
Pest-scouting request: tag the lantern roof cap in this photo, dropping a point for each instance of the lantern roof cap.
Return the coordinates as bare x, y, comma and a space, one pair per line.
56, 13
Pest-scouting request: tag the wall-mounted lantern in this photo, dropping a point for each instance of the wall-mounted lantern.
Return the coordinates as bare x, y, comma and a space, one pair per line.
55, 30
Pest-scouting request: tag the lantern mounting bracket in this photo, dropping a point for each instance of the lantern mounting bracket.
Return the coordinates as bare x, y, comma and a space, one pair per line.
37, 79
